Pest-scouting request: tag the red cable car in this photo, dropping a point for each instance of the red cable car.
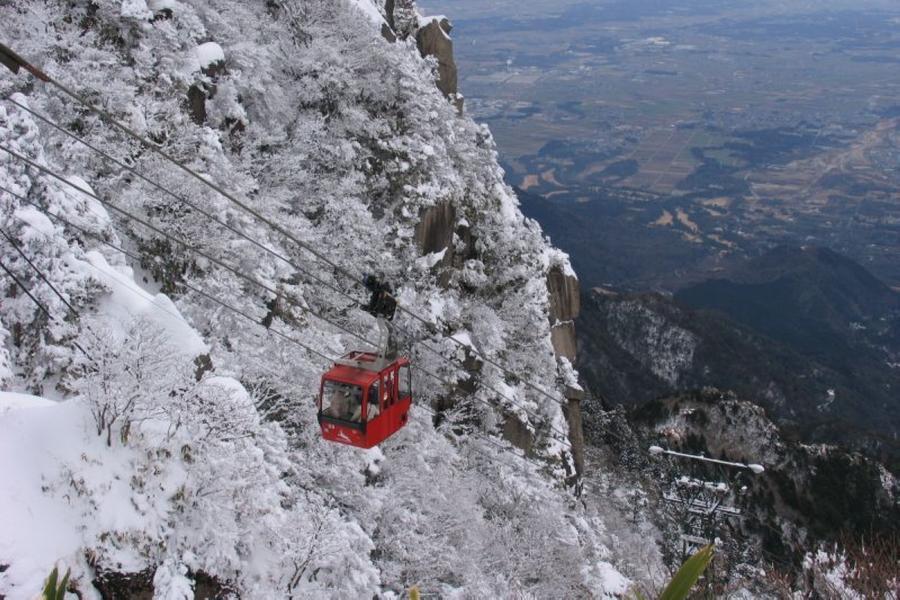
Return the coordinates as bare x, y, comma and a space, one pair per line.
364, 399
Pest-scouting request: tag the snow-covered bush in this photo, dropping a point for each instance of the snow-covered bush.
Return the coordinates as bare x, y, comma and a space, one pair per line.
138, 378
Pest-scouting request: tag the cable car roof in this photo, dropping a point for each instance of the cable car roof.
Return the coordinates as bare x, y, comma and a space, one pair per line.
356, 375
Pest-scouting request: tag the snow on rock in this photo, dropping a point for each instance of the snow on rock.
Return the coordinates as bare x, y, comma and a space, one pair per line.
464, 338
135, 9
606, 581
38, 226
170, 582
558, 258
424, 21
209, 54
429, 260
84, 202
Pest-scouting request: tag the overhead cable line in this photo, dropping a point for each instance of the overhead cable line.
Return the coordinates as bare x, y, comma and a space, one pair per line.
38, 303
13, 61
256, 243
232, 270
63, 299
238, 312
193, 205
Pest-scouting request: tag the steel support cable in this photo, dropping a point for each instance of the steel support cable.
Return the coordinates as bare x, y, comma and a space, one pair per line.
12, 242
40, 305
237, 311
179, 198
256, 243
356, 278
236, 272
63, 299
186, 245
191, 248
19, 283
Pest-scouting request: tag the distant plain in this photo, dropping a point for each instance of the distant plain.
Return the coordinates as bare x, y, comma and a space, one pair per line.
661, 141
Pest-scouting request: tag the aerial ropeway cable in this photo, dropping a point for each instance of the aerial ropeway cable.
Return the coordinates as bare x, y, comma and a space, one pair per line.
223, 304
195, 289
14, 62
191, 248
10, 57
28, 292
248, 238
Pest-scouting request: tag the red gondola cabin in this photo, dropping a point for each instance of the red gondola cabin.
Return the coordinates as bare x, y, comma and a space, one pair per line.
364, 399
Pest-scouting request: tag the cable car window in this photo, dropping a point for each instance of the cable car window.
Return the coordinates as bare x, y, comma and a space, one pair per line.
405, 382
374, 407
388, 389
342, 401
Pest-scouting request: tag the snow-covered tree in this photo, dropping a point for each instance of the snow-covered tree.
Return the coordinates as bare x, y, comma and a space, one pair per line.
209, 459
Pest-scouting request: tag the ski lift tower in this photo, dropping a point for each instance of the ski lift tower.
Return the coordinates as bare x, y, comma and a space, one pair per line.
701, 504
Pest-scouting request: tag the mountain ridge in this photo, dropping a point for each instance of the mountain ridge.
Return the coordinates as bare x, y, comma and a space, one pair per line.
826, 377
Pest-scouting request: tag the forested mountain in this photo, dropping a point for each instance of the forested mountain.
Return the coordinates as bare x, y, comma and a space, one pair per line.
158, 427
194, 197
804, 332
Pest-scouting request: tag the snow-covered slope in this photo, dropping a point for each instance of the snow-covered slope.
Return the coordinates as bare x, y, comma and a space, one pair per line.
182, 447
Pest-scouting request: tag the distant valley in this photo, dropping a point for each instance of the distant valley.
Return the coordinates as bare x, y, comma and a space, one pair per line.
807, 334
726, 179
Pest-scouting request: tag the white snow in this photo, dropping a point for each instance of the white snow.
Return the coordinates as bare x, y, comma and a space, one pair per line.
87, 200
209, 53
37, 530
370, 10
607, 580
128, 302
135, 9
425, 21
429, 260
39, 226
11, 400
558, 258
158, 5
464, 338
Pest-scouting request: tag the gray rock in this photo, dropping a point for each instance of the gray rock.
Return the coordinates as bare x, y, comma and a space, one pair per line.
565, 306
433, 39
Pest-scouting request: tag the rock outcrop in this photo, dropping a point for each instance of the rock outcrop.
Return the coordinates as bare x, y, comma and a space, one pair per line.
433, 39
565, 305
439, 230
211, 60
434, 232
432, 35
